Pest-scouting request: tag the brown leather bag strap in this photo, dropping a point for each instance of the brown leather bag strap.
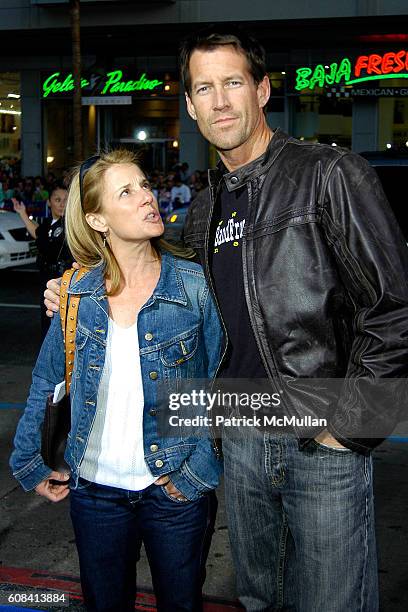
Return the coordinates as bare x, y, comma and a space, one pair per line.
69, 315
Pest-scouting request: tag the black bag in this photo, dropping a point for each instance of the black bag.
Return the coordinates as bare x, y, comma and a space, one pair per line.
55, 430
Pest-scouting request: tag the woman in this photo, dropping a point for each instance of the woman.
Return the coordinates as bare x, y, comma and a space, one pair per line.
145, 317
53, 254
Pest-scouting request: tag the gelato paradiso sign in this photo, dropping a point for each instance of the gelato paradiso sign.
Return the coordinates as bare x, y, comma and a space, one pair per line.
112, 83
392, 65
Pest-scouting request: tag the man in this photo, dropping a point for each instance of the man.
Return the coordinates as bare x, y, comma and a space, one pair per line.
311, 284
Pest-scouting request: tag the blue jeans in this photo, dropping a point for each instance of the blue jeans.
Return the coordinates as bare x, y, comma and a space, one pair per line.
110, 525
301, 525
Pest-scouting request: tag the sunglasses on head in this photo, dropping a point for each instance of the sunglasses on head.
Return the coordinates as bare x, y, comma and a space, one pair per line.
85, 166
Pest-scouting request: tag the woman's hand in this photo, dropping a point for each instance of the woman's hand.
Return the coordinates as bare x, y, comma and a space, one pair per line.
54, 492
170, 488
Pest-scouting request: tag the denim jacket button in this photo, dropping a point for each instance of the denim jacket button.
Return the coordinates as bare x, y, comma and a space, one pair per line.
152, 412
149, 336
159, 463
154, 448
153, 375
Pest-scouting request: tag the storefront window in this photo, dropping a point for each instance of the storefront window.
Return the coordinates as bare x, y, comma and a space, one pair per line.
58, 134
142, 113
151, 126
323, 118
393, 120
10, 118
276, 102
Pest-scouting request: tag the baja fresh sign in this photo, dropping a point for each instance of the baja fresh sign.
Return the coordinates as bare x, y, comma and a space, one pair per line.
391, 65
112, 83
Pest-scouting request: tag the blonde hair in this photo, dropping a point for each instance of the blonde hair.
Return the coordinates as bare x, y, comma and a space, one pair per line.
85, 243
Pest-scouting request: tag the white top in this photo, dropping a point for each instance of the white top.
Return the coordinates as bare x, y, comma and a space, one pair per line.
114, 455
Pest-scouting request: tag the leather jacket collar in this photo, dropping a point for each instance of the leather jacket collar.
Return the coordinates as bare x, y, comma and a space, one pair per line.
238, 178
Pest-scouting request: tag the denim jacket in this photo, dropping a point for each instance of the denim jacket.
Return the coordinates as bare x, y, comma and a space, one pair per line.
180, 336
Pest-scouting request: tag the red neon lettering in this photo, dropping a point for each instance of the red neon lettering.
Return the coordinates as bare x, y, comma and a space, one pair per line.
399, 64
360, 64
387, 64
374, 61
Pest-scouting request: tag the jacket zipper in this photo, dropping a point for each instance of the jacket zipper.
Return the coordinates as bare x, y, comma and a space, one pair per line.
209, 277
216, 446
250, 310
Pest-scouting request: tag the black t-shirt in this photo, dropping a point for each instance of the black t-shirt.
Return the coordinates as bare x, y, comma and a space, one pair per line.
243, 359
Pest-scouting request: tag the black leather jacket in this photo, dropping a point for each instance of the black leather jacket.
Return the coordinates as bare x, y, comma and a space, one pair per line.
325, 273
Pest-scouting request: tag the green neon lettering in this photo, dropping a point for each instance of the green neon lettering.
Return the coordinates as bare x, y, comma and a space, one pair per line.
318, 77
53, 85
113, 84
336, 73
67, 84
332, 74
302, 80
117, 87
48, 85
140, 84
153, 84
113, 78
344, 70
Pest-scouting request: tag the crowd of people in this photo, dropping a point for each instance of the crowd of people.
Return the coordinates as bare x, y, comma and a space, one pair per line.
178, 187
173, 189
26, 189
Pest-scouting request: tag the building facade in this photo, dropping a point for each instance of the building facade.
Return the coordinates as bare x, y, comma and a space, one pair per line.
338, 71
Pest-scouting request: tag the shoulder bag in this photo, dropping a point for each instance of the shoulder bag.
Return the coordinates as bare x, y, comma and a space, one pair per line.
57, 418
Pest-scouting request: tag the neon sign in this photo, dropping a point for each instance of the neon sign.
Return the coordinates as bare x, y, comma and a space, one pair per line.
366, 68
111, 84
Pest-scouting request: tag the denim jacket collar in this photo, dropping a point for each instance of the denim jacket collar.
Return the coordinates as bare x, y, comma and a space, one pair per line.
170, 286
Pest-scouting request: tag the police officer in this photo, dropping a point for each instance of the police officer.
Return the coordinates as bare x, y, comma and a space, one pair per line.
54, 256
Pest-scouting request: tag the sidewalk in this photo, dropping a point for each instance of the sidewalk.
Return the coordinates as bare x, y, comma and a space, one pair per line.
36, 536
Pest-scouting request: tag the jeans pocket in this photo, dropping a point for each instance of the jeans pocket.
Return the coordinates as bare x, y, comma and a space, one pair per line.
332, 449
174, 499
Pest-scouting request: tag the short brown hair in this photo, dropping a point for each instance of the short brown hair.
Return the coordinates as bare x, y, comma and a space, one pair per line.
218, 36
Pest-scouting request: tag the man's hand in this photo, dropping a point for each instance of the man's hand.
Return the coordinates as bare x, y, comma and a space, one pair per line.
170, 488
54, 492
326, 438
51, 295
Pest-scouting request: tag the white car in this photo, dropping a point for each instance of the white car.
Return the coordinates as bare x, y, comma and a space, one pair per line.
17, 247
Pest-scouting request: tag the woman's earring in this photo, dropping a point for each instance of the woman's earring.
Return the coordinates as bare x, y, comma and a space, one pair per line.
105, 238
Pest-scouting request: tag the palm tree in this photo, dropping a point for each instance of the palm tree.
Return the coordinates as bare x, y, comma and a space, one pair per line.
76, 71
